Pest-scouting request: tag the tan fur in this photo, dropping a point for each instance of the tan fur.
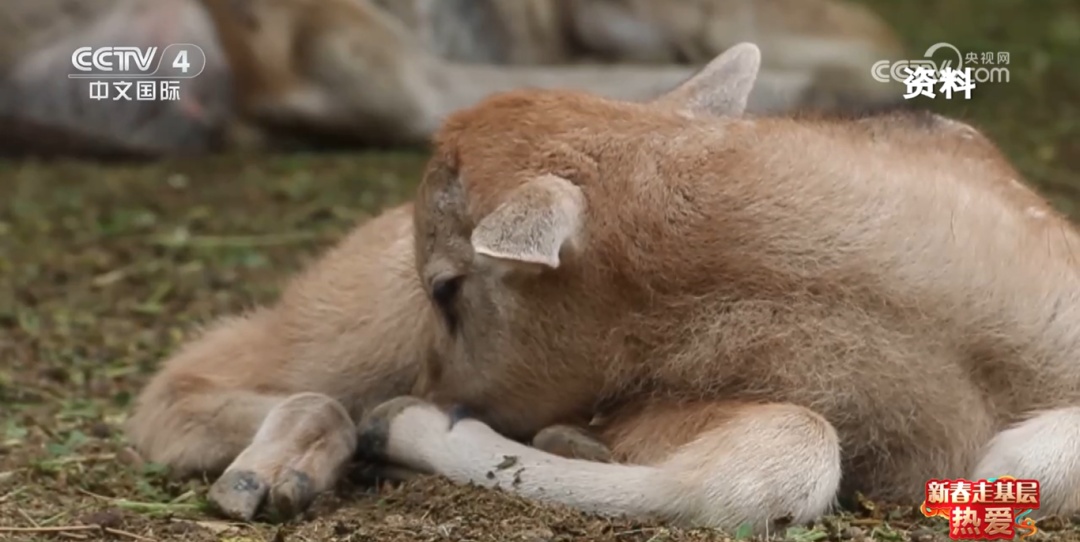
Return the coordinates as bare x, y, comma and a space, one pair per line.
752, 309
349, 333
887, 285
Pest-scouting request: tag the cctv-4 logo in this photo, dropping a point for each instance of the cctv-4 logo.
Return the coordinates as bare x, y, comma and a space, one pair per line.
176, 61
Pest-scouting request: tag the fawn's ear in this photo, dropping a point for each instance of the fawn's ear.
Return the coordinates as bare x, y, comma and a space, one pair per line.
533, 226
722, 87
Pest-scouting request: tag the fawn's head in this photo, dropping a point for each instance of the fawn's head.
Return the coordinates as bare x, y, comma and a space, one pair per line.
502, 243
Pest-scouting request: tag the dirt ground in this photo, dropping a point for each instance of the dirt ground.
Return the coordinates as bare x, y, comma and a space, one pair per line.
106, 269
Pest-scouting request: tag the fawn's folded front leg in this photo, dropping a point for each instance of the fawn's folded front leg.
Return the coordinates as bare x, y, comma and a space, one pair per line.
762, 464
206, 412
299, 452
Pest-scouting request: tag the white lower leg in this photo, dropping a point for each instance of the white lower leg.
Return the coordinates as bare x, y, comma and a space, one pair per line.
471, 452
775, 466
1045, 447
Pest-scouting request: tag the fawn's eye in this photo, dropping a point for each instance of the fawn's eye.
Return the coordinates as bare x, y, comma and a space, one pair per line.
444, 291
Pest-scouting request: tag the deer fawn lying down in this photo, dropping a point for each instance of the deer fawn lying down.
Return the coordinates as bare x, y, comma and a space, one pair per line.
767, 312
273, 395
759, 313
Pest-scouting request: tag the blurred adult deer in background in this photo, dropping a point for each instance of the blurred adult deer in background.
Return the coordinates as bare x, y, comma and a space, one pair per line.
293, 73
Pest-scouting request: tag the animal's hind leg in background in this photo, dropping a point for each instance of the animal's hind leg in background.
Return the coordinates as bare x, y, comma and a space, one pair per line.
726, 464
198, 412
1045, 447
572, 442
271, 397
